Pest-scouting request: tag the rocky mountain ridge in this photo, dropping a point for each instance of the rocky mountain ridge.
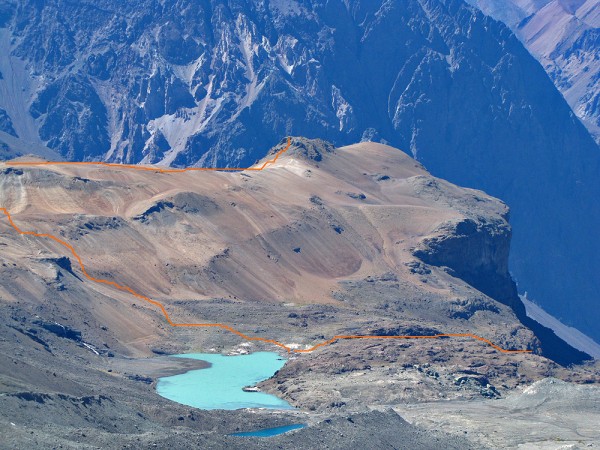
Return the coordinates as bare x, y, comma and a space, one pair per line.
215, 83
565, 37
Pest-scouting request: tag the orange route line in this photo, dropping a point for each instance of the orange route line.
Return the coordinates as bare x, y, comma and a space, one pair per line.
217, 325
150, 168
227, 327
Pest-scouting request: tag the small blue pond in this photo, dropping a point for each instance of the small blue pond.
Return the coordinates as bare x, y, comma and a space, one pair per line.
269, 432
220, 386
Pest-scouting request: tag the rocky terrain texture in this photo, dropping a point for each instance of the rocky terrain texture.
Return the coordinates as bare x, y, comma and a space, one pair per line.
358, 240
549, 414
564, 35
215, 83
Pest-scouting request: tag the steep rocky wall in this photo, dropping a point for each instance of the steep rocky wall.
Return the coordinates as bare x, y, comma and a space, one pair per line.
477, 251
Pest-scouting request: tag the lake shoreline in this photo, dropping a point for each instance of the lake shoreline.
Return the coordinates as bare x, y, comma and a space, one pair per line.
158, 367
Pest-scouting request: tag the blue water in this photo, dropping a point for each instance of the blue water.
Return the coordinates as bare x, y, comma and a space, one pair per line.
269, 432
220, 386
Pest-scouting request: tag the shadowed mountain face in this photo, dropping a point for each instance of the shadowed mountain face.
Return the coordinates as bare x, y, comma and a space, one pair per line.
197, 82
564, 35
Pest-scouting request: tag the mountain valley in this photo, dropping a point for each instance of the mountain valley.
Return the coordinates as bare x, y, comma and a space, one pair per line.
299, 224
358, 240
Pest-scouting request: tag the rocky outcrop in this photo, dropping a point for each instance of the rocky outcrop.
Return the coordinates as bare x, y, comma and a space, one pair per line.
476, 251
6, 124
60, 330
306, 149
185, 202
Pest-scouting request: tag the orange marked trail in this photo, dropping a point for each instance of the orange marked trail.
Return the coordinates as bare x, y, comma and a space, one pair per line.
227, 327
151, 168
214, 325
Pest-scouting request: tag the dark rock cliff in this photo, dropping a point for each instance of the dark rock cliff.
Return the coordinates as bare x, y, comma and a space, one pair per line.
477, 251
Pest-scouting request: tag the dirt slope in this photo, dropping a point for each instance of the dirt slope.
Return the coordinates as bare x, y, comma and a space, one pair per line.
296, 233
358, 240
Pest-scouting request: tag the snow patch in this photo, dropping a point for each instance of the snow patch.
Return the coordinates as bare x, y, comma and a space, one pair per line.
295, 346
91, 347
285, 50
292, 165
343, 109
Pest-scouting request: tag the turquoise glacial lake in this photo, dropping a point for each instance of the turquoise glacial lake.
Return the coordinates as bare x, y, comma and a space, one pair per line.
220, 386
270, 432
